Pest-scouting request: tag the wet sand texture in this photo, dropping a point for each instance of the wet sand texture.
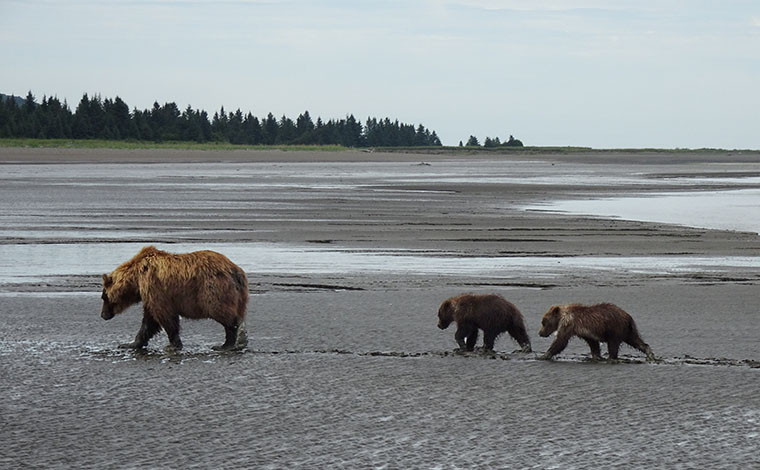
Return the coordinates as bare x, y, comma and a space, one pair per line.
345, 367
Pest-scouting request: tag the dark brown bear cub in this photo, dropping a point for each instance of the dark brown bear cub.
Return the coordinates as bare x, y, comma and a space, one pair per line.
605, 323
202, 284
488, 312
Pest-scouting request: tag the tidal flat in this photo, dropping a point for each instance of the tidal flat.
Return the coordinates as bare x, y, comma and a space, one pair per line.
348, 256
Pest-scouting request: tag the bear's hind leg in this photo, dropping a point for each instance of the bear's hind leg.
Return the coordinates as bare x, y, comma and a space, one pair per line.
171, 326
235, 338
639, 344
148, 329
612, 349
489, 338
241, 340
519, 334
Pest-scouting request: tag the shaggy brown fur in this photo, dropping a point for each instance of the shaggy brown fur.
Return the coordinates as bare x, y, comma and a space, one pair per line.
491, 313
202, 284
606, 323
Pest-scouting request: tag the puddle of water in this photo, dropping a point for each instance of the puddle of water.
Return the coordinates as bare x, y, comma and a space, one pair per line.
737, 210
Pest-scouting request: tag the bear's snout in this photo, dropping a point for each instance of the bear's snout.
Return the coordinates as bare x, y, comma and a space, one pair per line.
106, 313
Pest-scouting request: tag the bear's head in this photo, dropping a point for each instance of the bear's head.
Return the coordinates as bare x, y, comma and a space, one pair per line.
445, 314
117, 296
550, 322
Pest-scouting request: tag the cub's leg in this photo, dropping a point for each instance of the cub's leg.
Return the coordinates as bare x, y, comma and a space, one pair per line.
489, 338
596, 352
612, 349
559, 344
467, 332
521, 336
472, 339
639, 344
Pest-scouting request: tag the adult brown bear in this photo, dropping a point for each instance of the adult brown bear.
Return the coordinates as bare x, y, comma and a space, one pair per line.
202, 284
606, 323
489, 312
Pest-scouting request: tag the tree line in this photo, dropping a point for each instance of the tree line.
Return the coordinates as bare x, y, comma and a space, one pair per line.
489, 142
111, 119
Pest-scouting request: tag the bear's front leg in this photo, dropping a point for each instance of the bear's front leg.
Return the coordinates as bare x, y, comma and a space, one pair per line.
559, 344
148, 329
464, 334
472, 339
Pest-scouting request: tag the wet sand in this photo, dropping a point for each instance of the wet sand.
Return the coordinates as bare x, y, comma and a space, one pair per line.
345, 366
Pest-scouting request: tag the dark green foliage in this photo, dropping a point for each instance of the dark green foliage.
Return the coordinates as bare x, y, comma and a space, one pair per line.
111, 119
385, 133
269, 130
491, 143
512, 142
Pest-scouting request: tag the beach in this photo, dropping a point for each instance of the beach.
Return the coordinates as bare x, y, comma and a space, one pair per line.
348, 256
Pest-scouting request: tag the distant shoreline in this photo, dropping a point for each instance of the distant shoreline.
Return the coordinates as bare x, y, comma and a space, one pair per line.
31, 151
187, 145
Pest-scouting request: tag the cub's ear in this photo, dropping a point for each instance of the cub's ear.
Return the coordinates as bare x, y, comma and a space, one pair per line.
107, 280
555, 310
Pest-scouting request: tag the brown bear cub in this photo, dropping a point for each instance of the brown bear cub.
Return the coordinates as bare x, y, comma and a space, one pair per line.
202, 284
606, 323
491, 313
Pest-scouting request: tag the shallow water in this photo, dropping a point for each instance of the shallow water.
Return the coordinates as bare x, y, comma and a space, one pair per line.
32, 263
737, 210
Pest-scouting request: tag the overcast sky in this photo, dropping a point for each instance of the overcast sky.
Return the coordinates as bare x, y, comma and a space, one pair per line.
599, 73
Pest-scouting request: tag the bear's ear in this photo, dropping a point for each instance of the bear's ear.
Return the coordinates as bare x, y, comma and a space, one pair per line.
107, 280
555, 310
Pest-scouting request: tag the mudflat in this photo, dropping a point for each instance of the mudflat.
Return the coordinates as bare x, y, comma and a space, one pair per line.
348, 256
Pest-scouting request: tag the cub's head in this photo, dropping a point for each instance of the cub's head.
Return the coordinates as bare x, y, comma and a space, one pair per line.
117, 296
550, 322
445, 314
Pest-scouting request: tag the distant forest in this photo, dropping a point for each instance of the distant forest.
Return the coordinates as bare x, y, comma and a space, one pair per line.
111, 119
